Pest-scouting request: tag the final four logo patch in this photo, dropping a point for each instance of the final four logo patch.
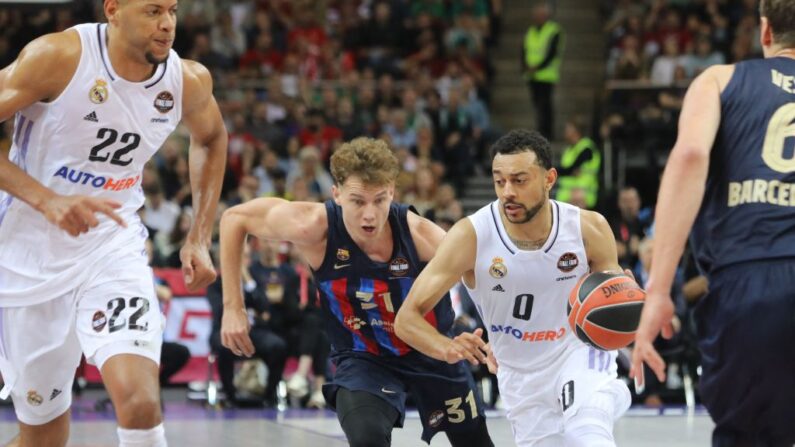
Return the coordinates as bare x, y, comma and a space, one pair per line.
568, 262
164, 102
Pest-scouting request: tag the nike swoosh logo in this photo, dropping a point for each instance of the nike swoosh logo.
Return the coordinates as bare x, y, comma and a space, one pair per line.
386, 391
340, 266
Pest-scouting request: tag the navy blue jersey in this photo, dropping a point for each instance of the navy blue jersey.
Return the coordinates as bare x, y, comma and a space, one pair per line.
360, 297
749, 204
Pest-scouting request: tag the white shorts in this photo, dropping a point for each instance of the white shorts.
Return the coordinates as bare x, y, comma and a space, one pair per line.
540, 403
115, 312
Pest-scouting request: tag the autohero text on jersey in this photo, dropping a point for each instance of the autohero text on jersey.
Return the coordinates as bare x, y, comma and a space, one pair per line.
97, 181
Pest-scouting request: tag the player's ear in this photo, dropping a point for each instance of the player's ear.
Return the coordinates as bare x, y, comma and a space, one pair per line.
765, 33
111, 9
336, 194
550, 179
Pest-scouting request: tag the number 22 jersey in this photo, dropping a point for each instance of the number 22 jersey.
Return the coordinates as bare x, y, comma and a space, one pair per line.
92, 140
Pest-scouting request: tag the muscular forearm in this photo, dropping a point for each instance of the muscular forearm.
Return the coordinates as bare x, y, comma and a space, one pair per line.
413, 329
233, 236
206, 178
681, 193
19, 184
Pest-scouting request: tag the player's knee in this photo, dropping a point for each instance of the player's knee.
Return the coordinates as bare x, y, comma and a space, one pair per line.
138, 409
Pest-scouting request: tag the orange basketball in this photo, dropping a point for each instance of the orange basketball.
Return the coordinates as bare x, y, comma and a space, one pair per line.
604, 309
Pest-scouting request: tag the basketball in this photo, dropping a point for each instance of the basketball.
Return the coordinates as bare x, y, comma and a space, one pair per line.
604, 309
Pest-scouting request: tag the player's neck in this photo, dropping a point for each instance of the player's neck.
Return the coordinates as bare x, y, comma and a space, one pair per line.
784, 52
378, 248
533, 234
122, 59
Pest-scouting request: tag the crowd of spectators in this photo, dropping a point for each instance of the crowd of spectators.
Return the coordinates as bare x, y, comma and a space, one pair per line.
654, 49
670, 41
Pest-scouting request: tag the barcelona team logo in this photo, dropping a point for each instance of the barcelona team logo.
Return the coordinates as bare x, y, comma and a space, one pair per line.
99, 92
343, 254
498, 269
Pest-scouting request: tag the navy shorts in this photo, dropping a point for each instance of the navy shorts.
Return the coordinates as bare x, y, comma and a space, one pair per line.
446, 396
746, 332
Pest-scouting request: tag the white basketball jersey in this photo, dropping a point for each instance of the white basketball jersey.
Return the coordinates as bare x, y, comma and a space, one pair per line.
522, 295
92, 140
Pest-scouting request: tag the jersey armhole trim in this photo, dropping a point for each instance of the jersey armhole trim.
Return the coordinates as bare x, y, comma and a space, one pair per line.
731, 85
326, 253
475, 267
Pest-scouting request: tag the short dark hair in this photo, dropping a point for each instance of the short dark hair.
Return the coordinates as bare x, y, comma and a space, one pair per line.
521, 140
781, 15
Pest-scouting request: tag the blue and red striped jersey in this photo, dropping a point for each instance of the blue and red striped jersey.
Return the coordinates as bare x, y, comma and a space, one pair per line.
360, 297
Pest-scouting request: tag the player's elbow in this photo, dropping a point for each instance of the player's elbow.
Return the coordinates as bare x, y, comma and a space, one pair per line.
690, 154
233, 221
403, 321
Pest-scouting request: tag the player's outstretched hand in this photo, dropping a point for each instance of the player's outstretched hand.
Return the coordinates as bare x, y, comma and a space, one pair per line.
76, 214
658, 312
467, 346
197, 267
234, 331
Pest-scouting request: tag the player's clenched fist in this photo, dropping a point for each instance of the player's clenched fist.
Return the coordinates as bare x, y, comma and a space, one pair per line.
197, 267
467, 346
76, 214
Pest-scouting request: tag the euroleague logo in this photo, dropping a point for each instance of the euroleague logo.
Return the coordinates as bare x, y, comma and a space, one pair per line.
567, 262
164, 102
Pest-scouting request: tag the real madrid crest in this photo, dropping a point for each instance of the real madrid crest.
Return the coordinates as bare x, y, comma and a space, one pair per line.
498, 269
34, 398
99, 92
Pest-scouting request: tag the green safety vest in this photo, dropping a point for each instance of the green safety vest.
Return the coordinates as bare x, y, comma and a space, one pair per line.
588, 180
536, 43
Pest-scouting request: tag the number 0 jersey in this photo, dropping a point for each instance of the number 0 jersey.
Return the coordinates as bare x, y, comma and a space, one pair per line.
522, 295
748, 211
92, 140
